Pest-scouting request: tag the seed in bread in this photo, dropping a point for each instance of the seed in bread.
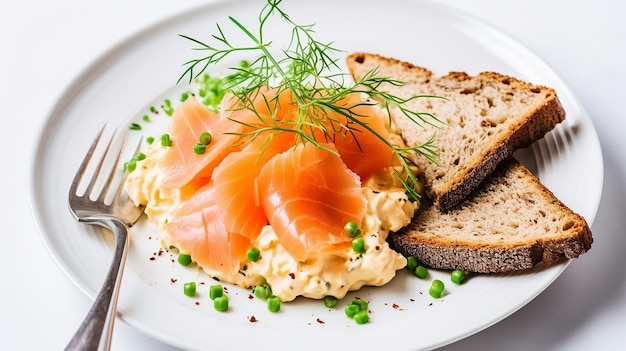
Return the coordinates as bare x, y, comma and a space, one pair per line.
511, 223
487, 117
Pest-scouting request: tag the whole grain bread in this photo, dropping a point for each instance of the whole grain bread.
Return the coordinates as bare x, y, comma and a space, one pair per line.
487, 117
512, 222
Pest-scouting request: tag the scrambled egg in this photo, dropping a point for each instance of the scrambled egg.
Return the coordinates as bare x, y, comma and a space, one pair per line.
331, 272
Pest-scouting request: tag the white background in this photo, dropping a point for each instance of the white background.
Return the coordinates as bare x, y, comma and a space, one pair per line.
45, 44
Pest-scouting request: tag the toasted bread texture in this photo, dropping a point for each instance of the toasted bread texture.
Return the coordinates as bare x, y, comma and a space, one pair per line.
485, 119
511, 223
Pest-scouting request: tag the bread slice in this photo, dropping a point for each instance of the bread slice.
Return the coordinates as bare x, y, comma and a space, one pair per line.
487, 117
511, 223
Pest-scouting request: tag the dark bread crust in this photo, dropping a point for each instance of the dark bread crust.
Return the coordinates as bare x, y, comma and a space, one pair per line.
437, 244
532, 126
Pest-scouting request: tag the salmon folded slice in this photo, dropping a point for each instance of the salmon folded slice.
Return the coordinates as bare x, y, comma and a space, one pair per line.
236, 192
308, 195
180, 164
197, 229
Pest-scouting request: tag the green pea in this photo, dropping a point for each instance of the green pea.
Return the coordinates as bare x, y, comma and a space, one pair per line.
420, 271
199, 149
352, 229
273, 303
330, 301
206, 138
351, 309
436, 288
411, 263
184, 259
457, 276
189, 288
220, 303
361, 303
262, 291
253, 254
361, 317
358, 245
216, 291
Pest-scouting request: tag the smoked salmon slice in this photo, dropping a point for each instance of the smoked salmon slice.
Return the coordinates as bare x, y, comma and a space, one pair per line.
236, 193
197, 229
363, 151
180, 164
308, 195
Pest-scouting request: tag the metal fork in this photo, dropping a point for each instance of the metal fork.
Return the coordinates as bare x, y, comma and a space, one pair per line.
112, 210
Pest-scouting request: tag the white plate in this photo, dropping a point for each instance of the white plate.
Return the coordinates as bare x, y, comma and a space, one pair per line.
142, 71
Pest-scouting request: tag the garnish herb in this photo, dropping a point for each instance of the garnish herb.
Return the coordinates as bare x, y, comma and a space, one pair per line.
131, 165
165, 140
309, 71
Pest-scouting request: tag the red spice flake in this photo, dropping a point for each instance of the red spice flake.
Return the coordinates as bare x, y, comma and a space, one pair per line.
252, 319
430, 304
411, 299
197, 303
292, 275
250, 296
173, 280
152, 258
320, 321
395, 306
377, 247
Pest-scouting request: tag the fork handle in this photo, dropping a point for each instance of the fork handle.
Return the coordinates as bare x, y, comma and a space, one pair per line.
99, 321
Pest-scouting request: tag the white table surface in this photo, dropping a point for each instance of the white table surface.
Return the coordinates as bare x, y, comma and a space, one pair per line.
45, 44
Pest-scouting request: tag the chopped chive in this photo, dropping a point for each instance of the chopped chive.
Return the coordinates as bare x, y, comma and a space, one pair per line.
165, 140
135, 126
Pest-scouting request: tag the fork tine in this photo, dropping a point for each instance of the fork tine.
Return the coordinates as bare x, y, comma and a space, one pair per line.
114, 168
83, 166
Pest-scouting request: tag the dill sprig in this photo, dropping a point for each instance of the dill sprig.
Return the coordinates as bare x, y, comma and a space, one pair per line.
308, 69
